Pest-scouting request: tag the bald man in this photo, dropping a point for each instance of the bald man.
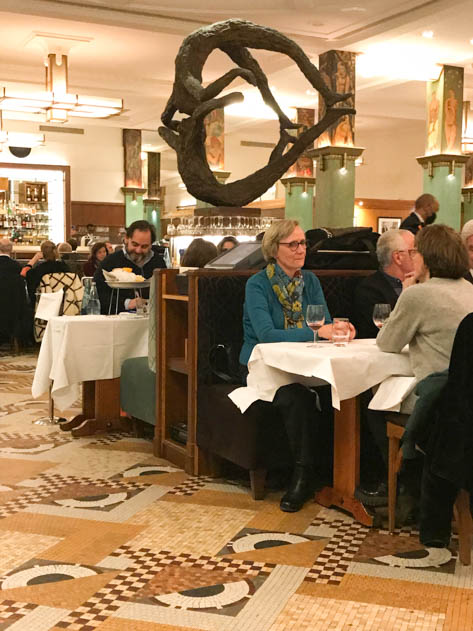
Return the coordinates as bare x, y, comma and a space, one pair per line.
425, 213
7, 265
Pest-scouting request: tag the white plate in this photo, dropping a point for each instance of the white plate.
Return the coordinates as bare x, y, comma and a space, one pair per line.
122, 284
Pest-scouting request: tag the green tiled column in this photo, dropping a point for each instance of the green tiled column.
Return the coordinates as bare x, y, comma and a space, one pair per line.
467, 204
299, 200
443, 175
134, 206
335, 176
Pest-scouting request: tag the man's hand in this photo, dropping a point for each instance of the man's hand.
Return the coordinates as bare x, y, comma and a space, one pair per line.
409, 280
326, 331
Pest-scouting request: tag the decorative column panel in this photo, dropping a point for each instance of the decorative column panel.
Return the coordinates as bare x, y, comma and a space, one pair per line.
153, 202
214, 124
336, 153
443, 162
133, 189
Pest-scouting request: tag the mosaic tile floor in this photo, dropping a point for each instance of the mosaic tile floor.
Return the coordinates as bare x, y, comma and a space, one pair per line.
97, 534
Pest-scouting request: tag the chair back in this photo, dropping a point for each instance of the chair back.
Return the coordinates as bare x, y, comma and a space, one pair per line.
14, 306
72, 302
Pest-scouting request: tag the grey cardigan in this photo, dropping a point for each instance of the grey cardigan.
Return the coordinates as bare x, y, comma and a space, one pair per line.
426, 317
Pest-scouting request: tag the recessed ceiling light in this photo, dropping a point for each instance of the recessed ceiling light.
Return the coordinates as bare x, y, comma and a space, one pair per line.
428, 34
354, 10
471, 41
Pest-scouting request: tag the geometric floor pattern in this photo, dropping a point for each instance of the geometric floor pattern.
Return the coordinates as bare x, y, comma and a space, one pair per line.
98, 534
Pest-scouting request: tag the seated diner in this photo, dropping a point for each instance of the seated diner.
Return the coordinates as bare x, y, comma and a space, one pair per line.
276, 300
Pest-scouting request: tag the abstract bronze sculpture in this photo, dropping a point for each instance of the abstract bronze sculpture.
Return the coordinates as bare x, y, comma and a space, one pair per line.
187, 136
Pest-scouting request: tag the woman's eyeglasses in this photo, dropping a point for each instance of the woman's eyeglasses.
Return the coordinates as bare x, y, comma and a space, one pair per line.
293, 245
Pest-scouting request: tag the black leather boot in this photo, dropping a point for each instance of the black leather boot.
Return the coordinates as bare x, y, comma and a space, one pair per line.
300, 489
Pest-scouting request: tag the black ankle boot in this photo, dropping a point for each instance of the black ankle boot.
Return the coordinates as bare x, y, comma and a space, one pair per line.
300, 489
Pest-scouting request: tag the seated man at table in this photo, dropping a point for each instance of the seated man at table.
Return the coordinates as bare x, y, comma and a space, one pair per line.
137, 255
393, 249
427, 314
276, 301
8, 266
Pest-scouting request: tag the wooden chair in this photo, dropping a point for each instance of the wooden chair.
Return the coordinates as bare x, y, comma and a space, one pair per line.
462, 515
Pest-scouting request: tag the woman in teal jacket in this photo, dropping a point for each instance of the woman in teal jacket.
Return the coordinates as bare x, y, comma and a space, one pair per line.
276, 300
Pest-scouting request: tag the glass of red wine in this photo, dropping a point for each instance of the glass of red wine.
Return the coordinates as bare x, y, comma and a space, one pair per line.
315, 318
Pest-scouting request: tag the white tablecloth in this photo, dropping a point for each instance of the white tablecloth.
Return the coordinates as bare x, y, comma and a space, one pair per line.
86, 348
350, 370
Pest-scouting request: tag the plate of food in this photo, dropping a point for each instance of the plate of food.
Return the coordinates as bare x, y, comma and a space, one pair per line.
125, 278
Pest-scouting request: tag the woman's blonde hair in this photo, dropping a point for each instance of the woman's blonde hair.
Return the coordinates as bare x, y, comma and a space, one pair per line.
277, 232
49, 251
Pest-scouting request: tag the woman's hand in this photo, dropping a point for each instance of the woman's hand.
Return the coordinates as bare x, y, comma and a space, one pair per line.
326, 331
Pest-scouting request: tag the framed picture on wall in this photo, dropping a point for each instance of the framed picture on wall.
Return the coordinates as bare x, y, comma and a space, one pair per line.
388, 223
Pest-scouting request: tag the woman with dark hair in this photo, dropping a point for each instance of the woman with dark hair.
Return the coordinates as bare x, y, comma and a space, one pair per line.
199, 253
227, 243
427, 314
36, 270
97, 255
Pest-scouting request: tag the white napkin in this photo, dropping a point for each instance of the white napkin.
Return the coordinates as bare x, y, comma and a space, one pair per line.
49, 305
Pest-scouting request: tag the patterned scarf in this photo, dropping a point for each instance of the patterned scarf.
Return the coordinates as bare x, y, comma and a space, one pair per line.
289, 294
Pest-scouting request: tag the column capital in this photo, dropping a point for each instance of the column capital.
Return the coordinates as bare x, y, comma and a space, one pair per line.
335, 150
441, 159
467, 193
298, 179
133, 189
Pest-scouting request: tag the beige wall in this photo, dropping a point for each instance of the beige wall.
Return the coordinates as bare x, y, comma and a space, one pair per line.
390, 170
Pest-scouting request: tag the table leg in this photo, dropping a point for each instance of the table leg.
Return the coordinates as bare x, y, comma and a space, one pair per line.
106, 413
346, 463
88, 407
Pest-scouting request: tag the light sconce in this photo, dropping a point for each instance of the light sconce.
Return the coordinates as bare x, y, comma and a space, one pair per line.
451, 175
134, 200
304, 192
430, 169
343, 168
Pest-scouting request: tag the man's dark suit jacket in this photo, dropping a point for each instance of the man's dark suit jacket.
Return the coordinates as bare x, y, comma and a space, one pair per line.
369, 292
9, 266
412, 223
468, 277
118, 259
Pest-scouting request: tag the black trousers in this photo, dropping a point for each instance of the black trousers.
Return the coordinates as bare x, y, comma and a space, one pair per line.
309, 430
436, 508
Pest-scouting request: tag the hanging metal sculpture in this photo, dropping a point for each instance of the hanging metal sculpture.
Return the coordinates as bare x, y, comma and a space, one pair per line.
189, 96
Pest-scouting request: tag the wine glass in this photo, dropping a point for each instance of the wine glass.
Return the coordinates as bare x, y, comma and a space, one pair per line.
381, 313
315, 318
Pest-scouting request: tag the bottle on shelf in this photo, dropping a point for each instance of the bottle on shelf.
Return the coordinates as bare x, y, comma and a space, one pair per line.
93, 304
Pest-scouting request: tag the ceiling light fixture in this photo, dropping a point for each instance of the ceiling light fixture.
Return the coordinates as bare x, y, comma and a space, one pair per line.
56, 103
427, 34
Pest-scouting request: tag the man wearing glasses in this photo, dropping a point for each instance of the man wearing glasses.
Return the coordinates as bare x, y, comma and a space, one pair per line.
396, 272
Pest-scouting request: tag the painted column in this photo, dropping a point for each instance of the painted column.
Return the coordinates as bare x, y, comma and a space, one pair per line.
152, 203
133, 189
443, 162
336, 153
299, 181
214, 124
299, 200
335, 176
467, 194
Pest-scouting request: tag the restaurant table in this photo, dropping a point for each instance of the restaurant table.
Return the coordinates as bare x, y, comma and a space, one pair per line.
350, 370
88, 350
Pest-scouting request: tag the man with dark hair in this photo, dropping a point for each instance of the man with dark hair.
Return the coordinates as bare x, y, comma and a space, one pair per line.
138, 255
425, 213
90, 237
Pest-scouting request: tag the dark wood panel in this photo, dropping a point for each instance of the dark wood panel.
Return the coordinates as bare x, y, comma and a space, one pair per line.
98, 213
